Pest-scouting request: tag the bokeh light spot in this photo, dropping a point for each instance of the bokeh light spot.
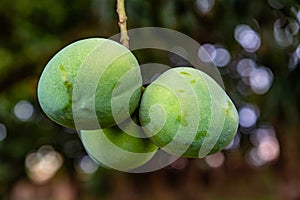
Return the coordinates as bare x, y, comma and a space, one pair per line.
245, 67
43, 164
268, 149
293, 61
266, 146
248, 115
204, 6
248, 38
210, 54
3, 132
253, 158
261, 133
24, 110
87, 165
207, 53
283, 36
215, 160
222, 57
261, 80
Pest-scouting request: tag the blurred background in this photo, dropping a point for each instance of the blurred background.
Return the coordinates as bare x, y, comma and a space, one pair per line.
255, 45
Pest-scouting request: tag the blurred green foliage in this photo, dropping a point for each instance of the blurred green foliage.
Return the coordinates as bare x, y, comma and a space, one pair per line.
32, 31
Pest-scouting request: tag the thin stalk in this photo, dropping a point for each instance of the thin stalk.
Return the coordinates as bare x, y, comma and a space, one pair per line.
124, 39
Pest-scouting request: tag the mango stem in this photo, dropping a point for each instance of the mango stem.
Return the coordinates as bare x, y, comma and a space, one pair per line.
124, 39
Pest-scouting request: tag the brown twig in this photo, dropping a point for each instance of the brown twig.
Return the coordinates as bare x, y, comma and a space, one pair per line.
124, 39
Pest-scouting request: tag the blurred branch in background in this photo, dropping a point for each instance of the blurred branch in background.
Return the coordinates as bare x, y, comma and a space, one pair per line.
255, 45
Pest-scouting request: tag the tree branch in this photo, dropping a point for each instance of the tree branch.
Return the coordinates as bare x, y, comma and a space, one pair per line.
124, 39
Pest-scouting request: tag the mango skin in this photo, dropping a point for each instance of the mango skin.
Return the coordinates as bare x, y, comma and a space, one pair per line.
165, 108
114, 148
56, 84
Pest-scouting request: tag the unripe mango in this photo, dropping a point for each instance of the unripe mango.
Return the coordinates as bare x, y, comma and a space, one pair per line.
114, 148
186, 113
90, 79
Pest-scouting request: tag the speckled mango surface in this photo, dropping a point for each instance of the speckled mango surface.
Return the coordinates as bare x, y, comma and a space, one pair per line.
186, 113
115, 148
90, 79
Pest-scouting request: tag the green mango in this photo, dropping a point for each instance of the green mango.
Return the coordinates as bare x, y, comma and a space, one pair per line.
90, 84
186, 113
117, 147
